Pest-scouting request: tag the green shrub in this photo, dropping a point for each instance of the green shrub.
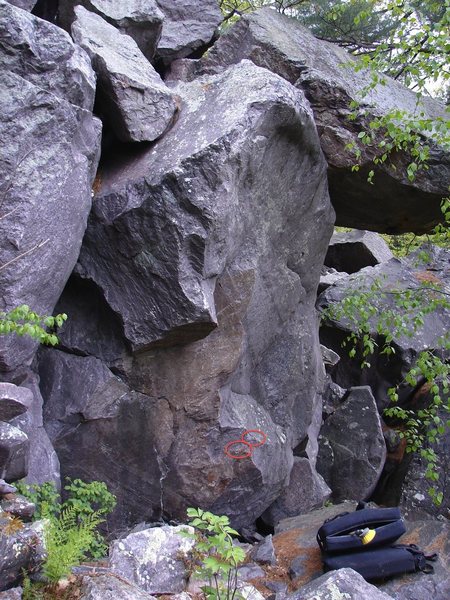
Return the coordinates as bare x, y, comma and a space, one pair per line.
215, 553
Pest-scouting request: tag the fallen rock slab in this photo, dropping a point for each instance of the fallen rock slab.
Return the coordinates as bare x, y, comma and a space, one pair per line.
186, 29
140, 19
134, 99
352, 450
353, 250
392, 204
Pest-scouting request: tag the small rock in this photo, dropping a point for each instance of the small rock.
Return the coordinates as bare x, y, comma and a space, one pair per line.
19, 549
14, 401
12, 594
19, 506
344, 583
250, 571
110, 587
14, 450
248, 592
264, 552
276, 586
6, 488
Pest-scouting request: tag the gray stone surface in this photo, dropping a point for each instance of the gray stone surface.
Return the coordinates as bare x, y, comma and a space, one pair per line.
17, 551
140, 19
250, 571
14, 401
110, 587
105, 431
263, 552
45, 56
135, 101
351, 251
200, 234
392, 204
18, 506
14, 451
306, 490
153, 559
354, 434
43, 463
23, 4
12, 594
344, 583
186, 29
6, 488
50, 138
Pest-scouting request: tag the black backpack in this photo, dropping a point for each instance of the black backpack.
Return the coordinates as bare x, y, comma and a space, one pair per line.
363, 541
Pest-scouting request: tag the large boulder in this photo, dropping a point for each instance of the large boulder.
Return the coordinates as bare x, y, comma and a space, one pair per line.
194, 247
186, 29
393, 204
49, 138
154, 559
140, 19
135, 101
352, 449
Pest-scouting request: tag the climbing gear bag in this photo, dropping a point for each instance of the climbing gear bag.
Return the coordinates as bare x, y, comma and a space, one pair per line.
365, 527
382, 562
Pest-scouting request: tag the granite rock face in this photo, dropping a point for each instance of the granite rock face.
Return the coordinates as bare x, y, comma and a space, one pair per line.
393, 204
306, 491
186, 28
49, 138
352, 450
153, 559
193, 245
140, 19
133, 97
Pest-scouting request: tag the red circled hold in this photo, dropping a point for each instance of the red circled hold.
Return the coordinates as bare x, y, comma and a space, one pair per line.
259, 432
238, 457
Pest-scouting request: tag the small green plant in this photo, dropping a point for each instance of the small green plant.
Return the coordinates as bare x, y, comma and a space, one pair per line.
84, 500
24, 322
215, 553
67, 541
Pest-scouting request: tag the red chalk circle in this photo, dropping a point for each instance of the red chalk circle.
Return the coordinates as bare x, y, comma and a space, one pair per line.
259, 432
238, 457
